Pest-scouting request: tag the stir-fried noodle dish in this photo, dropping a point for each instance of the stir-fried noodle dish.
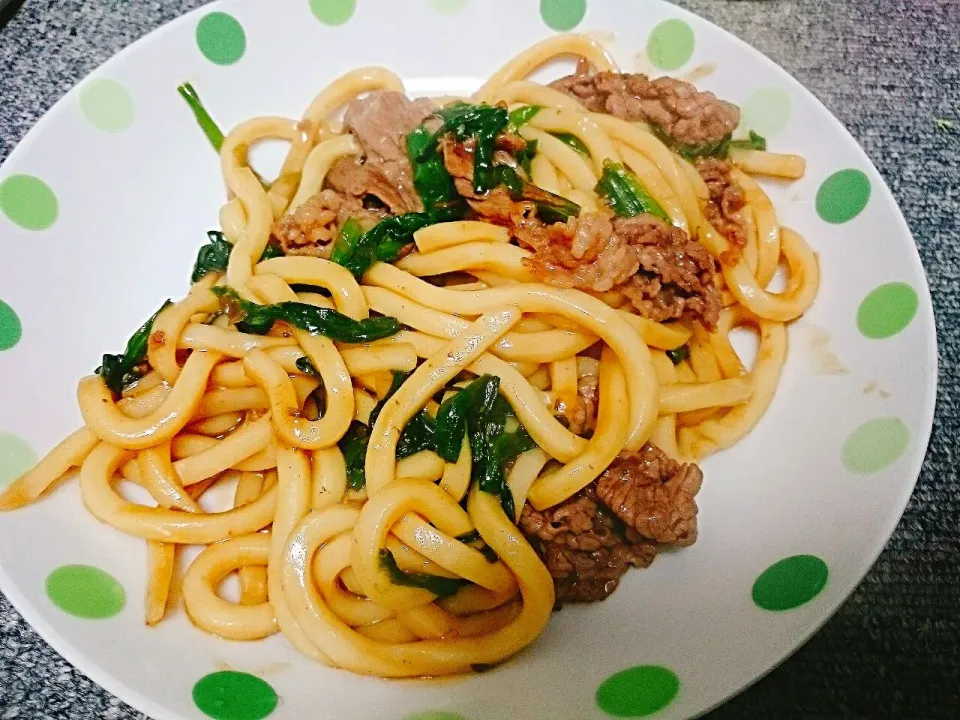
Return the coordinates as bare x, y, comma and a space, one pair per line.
455, 366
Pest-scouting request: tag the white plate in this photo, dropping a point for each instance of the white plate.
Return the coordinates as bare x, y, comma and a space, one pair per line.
826, 474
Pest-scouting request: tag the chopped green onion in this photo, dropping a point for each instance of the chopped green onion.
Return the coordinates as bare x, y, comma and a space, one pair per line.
678, 355
259, 319
206, 123
572, 141
752, 142
118, 371
438, 585
624, 193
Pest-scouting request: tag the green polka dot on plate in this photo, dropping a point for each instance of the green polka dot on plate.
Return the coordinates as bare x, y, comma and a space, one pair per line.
638, 691
885, 311
221, 38
790, 583
107, 105
563, 15
28, 201
843, 196
767, 111
670, 45
875, 445
86, 592
435, 715
231, 695
10, 327
448, 7
333, 12
16, 457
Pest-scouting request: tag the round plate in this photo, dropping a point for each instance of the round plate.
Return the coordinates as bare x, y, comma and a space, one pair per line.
106, 201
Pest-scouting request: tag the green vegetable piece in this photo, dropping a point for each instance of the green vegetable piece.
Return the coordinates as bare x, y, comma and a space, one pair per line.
439, 586
572, 141
481, 412
206, 123
477, 421
212, 257
492, 448
678, 355
398, 379
453, 413
381, 242
215, 255
504, 448
118, 371
416, 436
306, 367
481, 123
431, 179
419, 434
347, 246
489, 554
259, 319
335, 325
474, 536
353, 445
624, 193
753, 142
521, 116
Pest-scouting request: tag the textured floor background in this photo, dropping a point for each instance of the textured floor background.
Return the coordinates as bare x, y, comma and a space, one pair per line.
886, 69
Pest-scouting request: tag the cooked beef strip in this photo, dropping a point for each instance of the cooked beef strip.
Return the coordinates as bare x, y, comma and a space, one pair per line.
727, 199
592, 538
677, 277
690, 117
381, 122
664, 273
585, 547
352, 177
312, 227
654, 494
458, 160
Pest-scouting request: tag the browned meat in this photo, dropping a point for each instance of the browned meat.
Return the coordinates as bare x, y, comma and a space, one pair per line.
583, 415
381, 122
584, 546
677, 108
511, 143
311, 228
653, 494
664, 273
727, 199
584, 253
355, 178
499, 208
458, 160
677, 277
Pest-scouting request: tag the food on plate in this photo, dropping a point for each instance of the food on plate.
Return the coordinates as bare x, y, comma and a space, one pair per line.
456, 365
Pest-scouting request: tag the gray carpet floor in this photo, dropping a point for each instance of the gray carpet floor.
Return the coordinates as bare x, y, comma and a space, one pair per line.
886, 69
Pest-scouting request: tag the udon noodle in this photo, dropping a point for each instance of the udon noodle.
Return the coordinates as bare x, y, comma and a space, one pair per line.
407, 560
